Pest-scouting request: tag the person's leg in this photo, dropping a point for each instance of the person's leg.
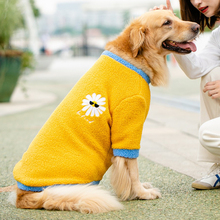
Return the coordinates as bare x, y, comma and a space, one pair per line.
209, 109
209, 136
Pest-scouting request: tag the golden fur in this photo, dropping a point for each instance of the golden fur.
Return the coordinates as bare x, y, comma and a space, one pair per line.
141, 45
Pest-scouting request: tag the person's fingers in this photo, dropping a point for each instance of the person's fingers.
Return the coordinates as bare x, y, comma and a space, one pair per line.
162, 7
213, 85
212, 92
210, 83
215, 96
155, 8
169, 6
207, 87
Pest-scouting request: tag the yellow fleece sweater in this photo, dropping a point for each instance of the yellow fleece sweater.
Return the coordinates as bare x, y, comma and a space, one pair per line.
102, 116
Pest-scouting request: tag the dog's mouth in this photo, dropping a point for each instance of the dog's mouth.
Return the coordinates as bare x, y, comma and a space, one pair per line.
179, 47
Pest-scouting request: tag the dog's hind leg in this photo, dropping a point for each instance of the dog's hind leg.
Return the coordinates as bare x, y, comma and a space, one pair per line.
125, 181
120, 178
82, 198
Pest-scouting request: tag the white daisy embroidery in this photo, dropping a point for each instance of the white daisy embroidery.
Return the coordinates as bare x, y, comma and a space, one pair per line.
93, 105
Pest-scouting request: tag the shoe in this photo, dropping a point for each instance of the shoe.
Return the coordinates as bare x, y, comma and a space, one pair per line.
211, 180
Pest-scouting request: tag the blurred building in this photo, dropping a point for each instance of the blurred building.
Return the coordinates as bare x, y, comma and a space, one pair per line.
90, 23
109, 13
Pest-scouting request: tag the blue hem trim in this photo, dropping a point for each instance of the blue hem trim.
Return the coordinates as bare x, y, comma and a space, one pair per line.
127, 64
39, 189
126, 153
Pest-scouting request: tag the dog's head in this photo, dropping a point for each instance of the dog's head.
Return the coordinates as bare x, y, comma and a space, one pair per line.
163, 32
149, 38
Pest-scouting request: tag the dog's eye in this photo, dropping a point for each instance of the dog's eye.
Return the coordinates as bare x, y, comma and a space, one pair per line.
167, 22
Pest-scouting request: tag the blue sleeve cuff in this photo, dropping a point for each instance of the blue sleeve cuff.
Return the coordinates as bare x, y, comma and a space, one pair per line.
126, 153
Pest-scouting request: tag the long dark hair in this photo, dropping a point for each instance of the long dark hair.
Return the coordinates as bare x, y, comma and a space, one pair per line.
190, 13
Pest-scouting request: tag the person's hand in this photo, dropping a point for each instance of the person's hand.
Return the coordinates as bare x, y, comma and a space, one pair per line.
213, 89
169, 6
163, 7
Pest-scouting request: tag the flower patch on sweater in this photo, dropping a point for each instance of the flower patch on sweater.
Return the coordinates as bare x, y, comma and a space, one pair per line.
94, 105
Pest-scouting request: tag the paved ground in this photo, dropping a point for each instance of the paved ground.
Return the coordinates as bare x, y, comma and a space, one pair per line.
169, 144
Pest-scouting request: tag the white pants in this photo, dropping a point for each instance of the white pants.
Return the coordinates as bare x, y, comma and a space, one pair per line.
209, 132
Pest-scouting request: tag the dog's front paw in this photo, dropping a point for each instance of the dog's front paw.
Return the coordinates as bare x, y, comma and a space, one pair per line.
150, 194
147, 185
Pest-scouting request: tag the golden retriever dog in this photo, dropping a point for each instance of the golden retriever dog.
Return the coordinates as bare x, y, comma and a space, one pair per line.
143, 45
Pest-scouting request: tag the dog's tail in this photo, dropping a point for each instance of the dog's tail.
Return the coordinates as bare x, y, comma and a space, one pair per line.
7, 188
82, 198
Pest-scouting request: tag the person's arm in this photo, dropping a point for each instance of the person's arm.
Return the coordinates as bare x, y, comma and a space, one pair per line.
198, 65
194, 65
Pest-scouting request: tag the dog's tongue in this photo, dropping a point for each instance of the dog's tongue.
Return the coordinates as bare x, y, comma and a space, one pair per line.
186, 45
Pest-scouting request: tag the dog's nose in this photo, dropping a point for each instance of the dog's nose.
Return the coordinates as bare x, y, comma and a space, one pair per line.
195, 28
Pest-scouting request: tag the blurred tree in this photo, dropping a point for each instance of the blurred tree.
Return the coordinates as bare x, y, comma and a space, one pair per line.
68, 30
126, 17
13, 62
10, 20
108, 31
177, 13
36, 10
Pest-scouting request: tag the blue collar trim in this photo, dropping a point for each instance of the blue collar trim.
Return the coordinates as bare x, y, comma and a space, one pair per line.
127, 64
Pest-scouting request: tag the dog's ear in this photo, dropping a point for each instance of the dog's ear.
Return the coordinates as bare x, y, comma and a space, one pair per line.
137, 37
